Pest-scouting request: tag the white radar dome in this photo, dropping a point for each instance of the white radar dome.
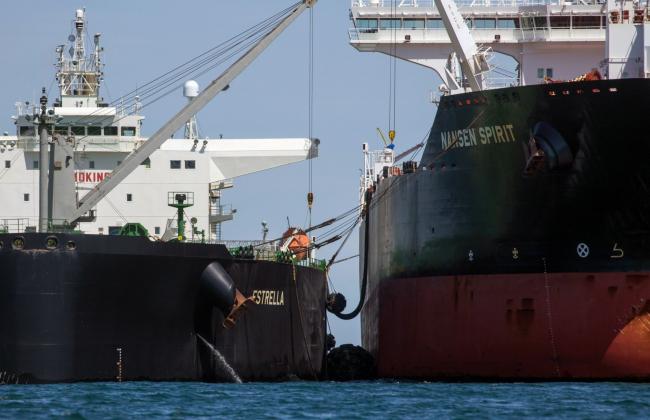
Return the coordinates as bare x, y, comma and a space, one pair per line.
191, 89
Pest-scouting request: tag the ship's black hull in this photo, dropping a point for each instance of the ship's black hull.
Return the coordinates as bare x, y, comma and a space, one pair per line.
523, 236
130, 309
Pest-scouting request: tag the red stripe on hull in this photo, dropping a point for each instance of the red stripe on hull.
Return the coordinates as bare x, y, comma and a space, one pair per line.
519, 326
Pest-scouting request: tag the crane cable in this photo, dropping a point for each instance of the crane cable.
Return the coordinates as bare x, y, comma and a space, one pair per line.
165, 84
310, 194
392, 74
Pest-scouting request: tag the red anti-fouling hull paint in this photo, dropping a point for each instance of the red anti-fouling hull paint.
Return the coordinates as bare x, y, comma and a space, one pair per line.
457, 251
519, 326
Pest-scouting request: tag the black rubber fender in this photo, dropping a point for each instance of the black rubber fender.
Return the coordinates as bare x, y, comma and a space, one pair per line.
350, 363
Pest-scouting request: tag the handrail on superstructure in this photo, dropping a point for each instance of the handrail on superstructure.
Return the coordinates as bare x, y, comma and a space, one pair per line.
465, 3
177, 121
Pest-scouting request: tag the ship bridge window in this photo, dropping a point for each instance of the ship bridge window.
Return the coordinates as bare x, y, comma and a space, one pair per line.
413, 24
366, 23
175, 164
485, 23
91, 164
190, 164
61, 130
507, 23
560, 21
35, 164
390, 23
529, 23
587, 22
146, 163
110, 131
128, 131
27, 131
435, 24
25, 197
79, 131
94, 131
7, 164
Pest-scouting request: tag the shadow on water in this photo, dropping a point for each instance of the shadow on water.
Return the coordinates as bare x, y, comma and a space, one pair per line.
221, 361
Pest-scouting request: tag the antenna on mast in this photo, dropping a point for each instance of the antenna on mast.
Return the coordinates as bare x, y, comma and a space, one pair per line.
79, 76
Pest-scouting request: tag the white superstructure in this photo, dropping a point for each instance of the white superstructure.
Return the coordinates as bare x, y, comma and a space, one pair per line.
548, 39
103, 136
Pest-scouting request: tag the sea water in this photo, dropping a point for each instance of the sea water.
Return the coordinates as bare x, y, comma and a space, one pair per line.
356, 400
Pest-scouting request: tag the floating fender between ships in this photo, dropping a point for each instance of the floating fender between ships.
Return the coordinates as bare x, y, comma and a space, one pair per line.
350, 363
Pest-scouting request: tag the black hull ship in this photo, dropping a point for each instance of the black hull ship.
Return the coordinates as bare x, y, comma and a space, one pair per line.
124, 308
130, 305
519, 247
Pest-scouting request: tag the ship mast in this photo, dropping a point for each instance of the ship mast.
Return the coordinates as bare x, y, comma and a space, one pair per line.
44, 214
79, 77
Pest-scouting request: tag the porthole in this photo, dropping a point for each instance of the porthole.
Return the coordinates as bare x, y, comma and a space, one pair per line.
51, 242
18, 242
71, 245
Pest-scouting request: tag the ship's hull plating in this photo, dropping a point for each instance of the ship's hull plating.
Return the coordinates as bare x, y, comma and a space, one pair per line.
129, 309
483, 264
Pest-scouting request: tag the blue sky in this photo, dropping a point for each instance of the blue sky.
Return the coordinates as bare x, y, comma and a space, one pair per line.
145, 38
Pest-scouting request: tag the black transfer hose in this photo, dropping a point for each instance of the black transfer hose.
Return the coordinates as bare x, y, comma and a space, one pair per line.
364, 282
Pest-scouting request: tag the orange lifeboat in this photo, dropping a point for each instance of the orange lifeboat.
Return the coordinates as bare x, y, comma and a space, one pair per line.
297, 241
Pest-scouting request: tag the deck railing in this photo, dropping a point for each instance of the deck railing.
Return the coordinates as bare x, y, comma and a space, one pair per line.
482, 36
401, 4
243, 249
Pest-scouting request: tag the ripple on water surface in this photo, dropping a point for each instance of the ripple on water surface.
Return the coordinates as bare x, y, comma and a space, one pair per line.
326, 400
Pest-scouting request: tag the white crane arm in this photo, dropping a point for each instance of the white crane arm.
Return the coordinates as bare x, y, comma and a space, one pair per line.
176, 122
472, 61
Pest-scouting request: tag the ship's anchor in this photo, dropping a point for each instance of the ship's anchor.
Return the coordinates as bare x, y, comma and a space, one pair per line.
220, 290
239, 307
